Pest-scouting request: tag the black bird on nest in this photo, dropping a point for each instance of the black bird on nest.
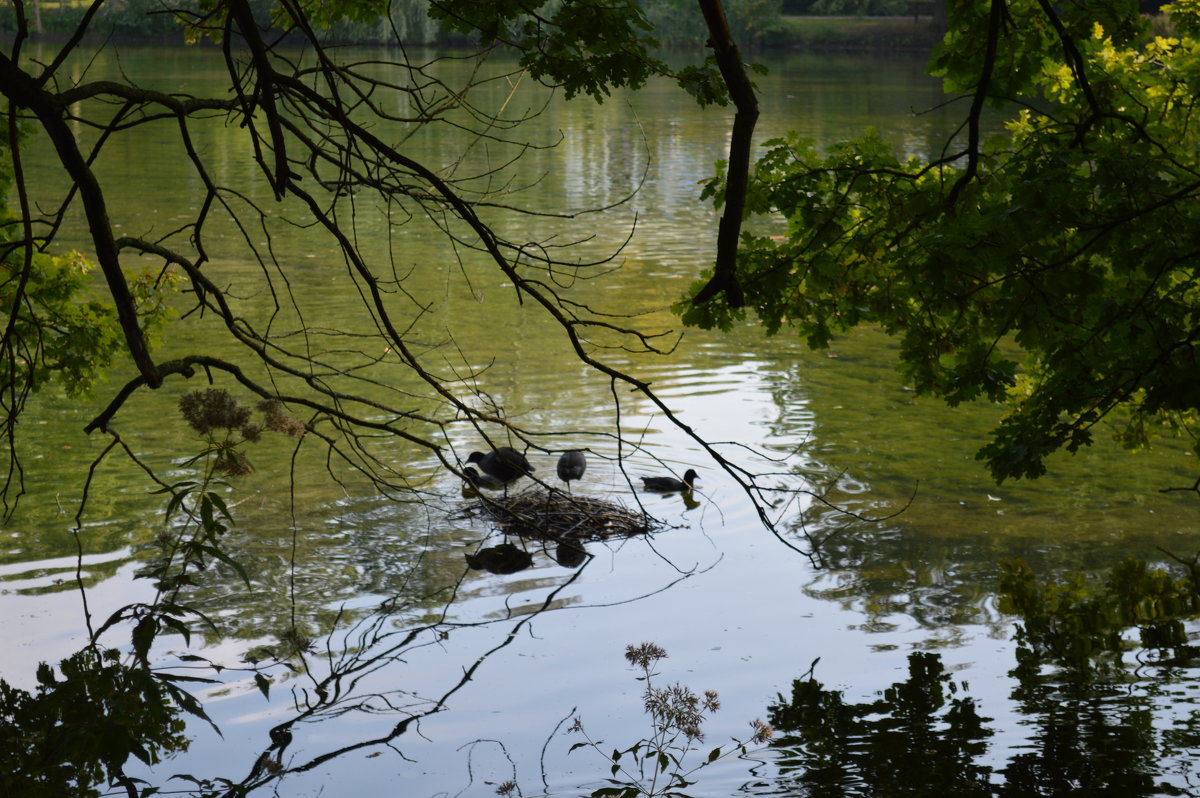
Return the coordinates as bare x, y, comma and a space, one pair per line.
478, 480
504, 465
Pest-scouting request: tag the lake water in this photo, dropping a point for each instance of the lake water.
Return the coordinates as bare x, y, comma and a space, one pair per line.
740, 610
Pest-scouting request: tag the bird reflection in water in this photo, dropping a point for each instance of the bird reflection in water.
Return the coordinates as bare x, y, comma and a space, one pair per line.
503, 559
570, 554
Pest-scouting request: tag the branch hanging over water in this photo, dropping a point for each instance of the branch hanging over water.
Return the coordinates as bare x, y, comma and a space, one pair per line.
741, 90
22, 91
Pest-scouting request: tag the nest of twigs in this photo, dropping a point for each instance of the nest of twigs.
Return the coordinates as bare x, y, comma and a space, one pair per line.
555, 515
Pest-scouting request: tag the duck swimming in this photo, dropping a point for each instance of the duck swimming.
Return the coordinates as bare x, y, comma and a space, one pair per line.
670, 484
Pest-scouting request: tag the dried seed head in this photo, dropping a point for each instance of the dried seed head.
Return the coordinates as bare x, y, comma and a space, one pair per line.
278, 420
762, 731
212, 409
232, 463
645, 655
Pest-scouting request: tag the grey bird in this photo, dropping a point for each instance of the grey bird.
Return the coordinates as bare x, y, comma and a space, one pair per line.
670, 484
571, 465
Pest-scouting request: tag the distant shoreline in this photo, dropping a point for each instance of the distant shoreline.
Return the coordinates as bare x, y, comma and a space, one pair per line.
795, 33
908, 33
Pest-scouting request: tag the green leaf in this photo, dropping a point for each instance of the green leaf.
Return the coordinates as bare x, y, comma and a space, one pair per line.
180, 677
188, 703
144, 632
206, 511
219, 502
178, 626
217, 553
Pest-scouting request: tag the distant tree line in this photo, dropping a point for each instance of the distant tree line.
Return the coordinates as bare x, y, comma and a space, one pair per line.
847, 8
675, 22
148, 18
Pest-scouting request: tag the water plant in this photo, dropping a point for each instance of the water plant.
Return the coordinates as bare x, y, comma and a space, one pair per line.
103, 705
662, 763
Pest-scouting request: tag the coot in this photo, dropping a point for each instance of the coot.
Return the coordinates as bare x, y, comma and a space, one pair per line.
482, 480
505, 464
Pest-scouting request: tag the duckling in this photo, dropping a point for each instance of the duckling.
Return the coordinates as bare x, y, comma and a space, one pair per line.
571, 466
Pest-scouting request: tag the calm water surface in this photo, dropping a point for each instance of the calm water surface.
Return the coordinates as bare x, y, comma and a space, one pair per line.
738, 611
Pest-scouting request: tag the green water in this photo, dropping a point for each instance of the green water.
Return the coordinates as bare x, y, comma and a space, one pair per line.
737, 610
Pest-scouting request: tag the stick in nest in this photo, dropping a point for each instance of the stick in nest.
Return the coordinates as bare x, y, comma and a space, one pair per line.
557, 516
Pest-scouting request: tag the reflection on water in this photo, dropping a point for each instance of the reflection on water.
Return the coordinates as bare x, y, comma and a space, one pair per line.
415, 655
927, 735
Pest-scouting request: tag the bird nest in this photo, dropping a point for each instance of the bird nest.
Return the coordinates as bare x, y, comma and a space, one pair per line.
559, 516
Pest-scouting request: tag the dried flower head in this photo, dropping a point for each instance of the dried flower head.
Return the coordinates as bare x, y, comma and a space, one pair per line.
212, 409
279, 421
676, 708
762, 731
645, 655
506, 788
232, 463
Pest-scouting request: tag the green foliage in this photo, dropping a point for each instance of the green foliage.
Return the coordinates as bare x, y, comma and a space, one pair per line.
915, 739
58, 337
1081, 627
585, 46
1052, 267
57, 329
196, 516
130, 18
704, 83
82, 724
79, 729
323, 13
343, 20
678, 23
141, 18
407, 19
656, 765
754, 22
